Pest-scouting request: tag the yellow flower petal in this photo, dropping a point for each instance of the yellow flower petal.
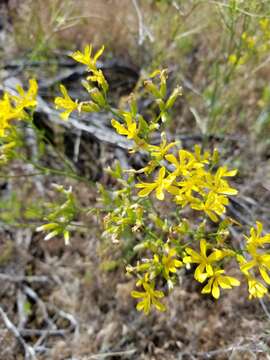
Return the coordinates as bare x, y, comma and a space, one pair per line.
215, 290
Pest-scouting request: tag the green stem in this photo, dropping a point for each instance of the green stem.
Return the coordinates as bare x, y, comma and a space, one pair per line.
46, 171
41, 136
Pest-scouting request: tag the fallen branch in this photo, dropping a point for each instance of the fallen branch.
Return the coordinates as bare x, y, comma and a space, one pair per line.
94, 127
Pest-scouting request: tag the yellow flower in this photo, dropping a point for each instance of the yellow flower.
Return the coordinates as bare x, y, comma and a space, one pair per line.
264, 24
232, 59
130, 130
7, 113
256, 288
237, 59
185, 164
249, 40
26, 99
218, 185
159, 185
158, 152
258, 260
190, 184
65, 103
204, 269
86, 58
224, 172
169, 262
255, 236
214, 204
12, 107
149, 298
218, 280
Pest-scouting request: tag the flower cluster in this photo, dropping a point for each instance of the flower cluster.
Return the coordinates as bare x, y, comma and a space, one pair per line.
252, 44
208, 268
256, 258
95, 84
60, 217
13, 107
164, 243
164, 262
192, 183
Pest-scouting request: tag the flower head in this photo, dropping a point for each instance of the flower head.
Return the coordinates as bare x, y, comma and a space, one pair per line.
256, 288
216, 281
212, 205
129, 129
205, 268
218, 185
65, 103
149, 298
86, 58
159, 151
185, 163
159, 185
169, 261
26, 99
258, 260
256, 237
12, 107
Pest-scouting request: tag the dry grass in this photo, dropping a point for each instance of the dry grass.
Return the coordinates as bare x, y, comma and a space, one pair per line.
73, 24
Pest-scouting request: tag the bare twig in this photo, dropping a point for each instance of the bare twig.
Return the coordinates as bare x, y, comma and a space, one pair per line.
21, 278
32, 143
144, 32
43, 335
231, 349
21, 301
66, 316
29, 351
73, 321
195, 30
240, 10
266, 311
37, 332
188, 84
259, 67
77, 144
112, 354
33, 295
177, 7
